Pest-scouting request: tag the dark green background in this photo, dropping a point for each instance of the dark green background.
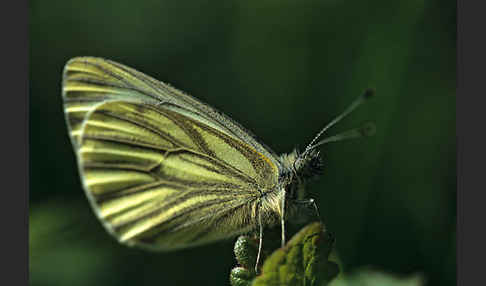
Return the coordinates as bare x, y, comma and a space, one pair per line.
283, 69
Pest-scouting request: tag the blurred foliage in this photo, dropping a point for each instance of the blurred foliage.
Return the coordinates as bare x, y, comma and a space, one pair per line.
283, 69
369, 277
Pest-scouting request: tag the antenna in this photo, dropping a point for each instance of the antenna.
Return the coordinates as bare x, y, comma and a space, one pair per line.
366, 130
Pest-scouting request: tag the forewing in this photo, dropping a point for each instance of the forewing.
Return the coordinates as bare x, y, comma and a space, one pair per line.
87, 81
160, 178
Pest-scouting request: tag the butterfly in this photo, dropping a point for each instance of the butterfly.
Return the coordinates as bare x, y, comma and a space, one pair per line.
164, 171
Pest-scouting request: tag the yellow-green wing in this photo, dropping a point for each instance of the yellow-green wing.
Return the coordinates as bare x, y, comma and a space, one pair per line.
160, 178
88, 81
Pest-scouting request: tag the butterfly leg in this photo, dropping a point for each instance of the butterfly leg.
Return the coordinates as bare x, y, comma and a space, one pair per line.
282, 219
317, 210
310, 202
260, 238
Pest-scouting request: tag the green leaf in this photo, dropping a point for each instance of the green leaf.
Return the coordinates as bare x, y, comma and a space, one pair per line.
302, 261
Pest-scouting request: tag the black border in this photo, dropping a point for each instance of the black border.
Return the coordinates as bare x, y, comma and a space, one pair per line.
15, 133
471, 142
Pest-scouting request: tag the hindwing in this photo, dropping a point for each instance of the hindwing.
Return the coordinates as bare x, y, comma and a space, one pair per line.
161, 179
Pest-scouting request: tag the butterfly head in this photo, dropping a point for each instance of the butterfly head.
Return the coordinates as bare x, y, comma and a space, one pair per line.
307, 165
299, 168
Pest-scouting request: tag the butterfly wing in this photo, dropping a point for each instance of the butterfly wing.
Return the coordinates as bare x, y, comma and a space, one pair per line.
160, 174
87, 81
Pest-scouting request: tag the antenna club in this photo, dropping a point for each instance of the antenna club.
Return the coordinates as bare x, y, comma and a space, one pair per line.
369, 93
368, 129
